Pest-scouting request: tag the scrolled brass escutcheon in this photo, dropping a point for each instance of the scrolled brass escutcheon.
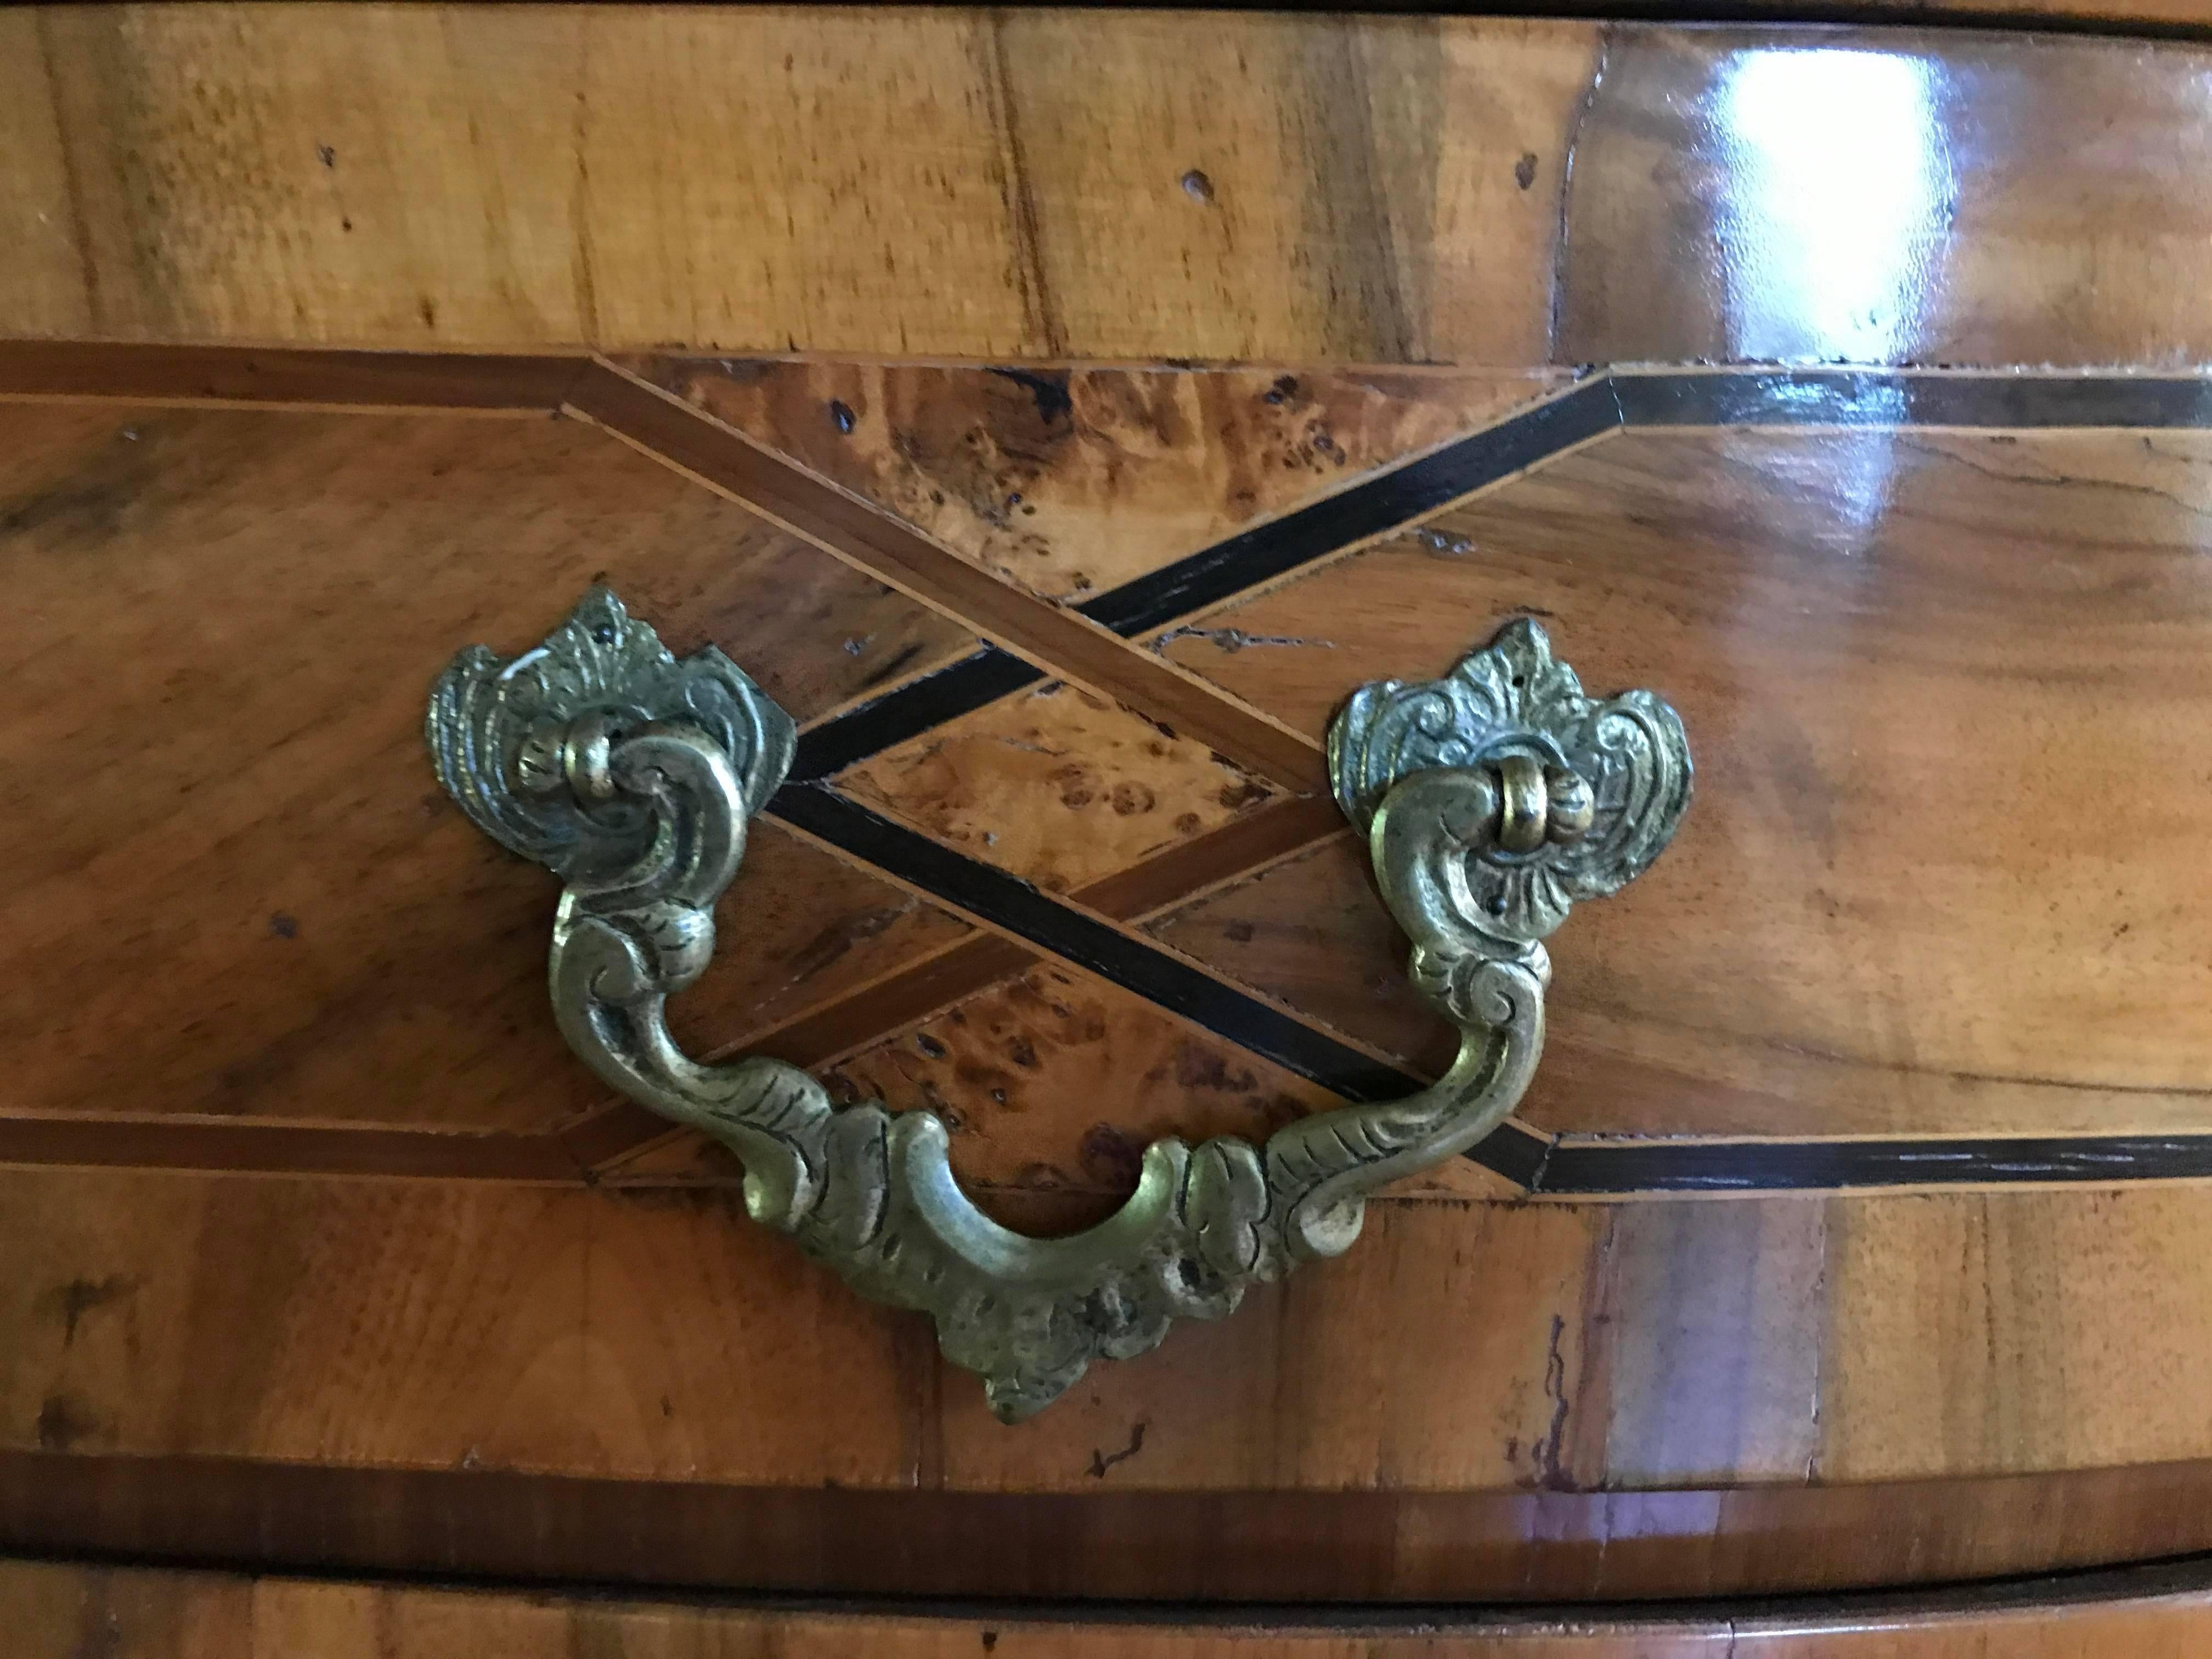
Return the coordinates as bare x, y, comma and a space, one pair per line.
1493, 799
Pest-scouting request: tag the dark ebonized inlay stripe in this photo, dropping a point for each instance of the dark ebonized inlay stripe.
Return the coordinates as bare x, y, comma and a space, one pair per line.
917, 707
1515, 1152
1217, 574
1153, 974
1391, 498
1797, 1166
1016, 905
1876, 398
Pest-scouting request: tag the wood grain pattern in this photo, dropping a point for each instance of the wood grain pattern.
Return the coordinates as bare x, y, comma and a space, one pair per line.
838, 1029
177, 1140
233, 377
1906, 661
1308, 932
1135, 186
1056, 786
814, 930
48, 287
1238, 1547
629, 1332
251, 175
1974, 230
864, 1009
62, 1608
1056, 1082
250, 898
893, 552
1072, 481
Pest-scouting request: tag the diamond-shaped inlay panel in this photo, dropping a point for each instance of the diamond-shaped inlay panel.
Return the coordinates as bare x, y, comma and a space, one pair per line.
1057, 786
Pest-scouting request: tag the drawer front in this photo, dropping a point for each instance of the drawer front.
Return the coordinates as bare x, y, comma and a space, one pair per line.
1061, 467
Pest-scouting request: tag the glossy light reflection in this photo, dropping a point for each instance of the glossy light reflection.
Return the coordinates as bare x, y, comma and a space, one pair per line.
1833, 231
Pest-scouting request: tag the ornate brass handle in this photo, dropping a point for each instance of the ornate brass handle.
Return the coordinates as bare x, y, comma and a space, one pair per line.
1493, 799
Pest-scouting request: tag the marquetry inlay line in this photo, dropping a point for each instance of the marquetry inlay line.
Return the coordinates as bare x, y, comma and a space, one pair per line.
1100, 644
1390, 499
1067, 645
251, 1146
1977, 401
837, 1030
1093, 943
241, 377
1596, 1167
1088, 942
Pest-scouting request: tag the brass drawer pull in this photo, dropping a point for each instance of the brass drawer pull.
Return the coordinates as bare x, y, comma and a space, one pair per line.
1493, 799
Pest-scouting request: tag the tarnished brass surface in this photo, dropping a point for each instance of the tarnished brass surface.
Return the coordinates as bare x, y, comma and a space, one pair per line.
1493, 799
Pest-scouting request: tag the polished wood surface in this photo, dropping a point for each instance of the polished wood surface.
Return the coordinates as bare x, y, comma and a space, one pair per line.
1071, 481
886, 548
643, 1331
1907, 659
1133, 185
233, 610
1058, 787
1015, 228
1235, 1547
326, 1252
59, 1608
1858, 1358
1872, 199
1055, 1083
188, 376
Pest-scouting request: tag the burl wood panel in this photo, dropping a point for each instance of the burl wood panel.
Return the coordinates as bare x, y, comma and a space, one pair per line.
891, 550
1135, 186
815, 928
1944, 692
1073, 480
63, 1608
1054, 1082
1057, 785
240, 891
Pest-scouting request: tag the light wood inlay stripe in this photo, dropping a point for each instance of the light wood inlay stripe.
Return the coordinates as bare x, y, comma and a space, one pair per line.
241, 1145
383, 382
1035, 630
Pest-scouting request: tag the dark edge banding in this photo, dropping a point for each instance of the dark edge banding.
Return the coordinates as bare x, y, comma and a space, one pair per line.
1878, 398
1343, 1561
1515, 1151
1593, 1167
